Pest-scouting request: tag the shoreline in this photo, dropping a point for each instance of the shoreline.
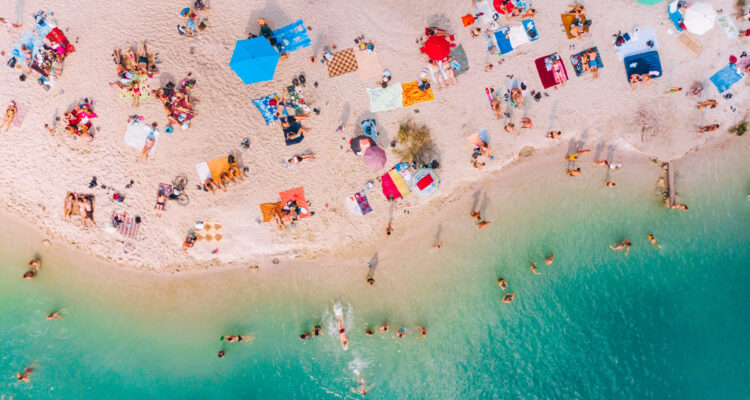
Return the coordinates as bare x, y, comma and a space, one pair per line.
447, 202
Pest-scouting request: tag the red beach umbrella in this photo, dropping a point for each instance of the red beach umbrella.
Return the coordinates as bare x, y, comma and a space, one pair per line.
437, 48
503, 9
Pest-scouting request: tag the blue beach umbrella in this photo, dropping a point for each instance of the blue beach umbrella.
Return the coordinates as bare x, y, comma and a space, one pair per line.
425, 182
254, 60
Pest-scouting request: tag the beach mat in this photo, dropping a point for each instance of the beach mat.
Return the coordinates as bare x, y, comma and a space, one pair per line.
369, 64
727, 26
136, 134
568, 20
548, 77
358, 203
266, 110
128, 227
298, 195
217, 166
690, 43
32, 42
639, 45
389, 98
726, 77
293, 36
343, 62
269, 211
144, 89
577, 63
459, 54
643, 64
393, 185
412, 95
23, 111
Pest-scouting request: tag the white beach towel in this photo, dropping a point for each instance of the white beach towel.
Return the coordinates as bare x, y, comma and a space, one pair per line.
352, 205
728, 27
484, 7
386, 99
637, 43
518, 36
136, 134
203, 171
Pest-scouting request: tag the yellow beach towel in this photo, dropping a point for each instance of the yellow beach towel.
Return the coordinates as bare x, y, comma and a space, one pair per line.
412, 95
399, 182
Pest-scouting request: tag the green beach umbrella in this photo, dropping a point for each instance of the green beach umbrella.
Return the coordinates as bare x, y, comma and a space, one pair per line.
650, 2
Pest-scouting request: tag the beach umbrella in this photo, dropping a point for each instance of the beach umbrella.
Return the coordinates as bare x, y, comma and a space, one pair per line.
254, 60
425, 182
437, 48
361, 142
374, 158
650, 2
699, 18
503, 7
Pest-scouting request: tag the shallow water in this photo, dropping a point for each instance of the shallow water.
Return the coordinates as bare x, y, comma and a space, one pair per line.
668, 323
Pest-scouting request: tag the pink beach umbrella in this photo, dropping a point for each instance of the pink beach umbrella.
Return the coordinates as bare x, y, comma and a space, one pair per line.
375, 158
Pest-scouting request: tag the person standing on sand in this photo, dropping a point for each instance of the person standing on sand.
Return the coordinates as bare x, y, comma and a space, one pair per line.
10, 115
549, 259
533, 268
625, 244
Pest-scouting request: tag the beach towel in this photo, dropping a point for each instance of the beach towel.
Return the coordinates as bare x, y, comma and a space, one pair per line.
203, 171
386, 99
728, 27
675, 15
217, 166
403, 170
517, 36
638, 43
298, 195
502, 40
546, 75
358, 203
568, 20
165, 189
58, 37
646, 63
726, 77
269, 211
412, 95
461, 64
43, 26
690, 43
127, 227
343, 62
531, 30
298, 101
293, 36
369, 64
370, 129
136, 134
393, 185
485, 8
351, 204
23, 110
578, 65
427, 180
144, 89
266, 109
32, 42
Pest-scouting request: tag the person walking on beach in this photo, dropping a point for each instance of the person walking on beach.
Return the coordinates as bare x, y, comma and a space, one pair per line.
653, 241
389, 229
625, 244
342, 333
549, 259
533, 268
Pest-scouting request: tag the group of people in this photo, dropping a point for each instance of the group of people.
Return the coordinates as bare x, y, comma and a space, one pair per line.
34, 266
509, 296
267, 32
177, 103
702, 106
481, 223
547, 261
401, 331
626, 244
132, 68
580, 24
233, 174
78, 121
191, 13
48, 58
85, 204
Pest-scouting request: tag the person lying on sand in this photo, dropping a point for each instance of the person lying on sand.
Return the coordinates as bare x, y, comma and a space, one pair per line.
448, 68
708, 128
478, 165
625, 244
209, 185
10, 115
435, 69
526, 123
298, 159
574, 172
161, 200
497, 108
189, 241
707, 104
510, 127
235, 172
553, 134
517, 96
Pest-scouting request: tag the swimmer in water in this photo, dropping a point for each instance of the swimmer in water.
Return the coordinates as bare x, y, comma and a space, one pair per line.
610, 184
401, 332
625, 244
305, 336
653, 241
533, 268
362, 386
317, 331
35, 265
237, 338
342, 333
502, 283
221, 353
549, 259
422, 332
369, 331
54, 315
384, 327
24, 376
508, 297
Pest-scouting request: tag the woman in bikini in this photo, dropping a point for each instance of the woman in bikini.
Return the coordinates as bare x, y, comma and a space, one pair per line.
209, 185
68, 207
298, 159
707, 104
625, 244
161, 200
235, 172
150, 141
342, 333
708, 128
10, 114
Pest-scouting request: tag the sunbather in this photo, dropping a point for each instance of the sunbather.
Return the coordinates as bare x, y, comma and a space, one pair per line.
449, 71
225, 179
497, 109
161, 200
707, 104
209, 185
10, 114
298, 159
69, 206
558, 71
150, 141
526, 123
510, 127
235, 172
142, 58
634, 79
88, 212
189, 241
436, 74
708, 128
517, 96
553, 134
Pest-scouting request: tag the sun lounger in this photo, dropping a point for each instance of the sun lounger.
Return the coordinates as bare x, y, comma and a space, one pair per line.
638, 43
293, 36
386, 99
136, 134
726, 77
578, 63
690, 43
646, 63
412, 95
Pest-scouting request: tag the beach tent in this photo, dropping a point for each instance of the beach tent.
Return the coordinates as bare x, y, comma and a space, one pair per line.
393, 184
699, 18
436, 47
375, 158
425, 182
254, 60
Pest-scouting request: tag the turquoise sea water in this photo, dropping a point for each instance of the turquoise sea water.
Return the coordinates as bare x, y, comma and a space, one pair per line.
657, 324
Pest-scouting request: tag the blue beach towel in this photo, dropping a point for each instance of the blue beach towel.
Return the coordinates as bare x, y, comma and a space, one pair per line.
31, 41
43, 27
371, 131
267, 110
726, 77
675, 15
645, 63
638, 43
530, 27
293, 37
575, 60
503, 41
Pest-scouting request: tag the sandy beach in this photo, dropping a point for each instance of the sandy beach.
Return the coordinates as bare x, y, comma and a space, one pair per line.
38, 169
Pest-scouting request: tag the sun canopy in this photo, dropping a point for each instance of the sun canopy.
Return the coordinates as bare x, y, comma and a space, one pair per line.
699, 18
254, 60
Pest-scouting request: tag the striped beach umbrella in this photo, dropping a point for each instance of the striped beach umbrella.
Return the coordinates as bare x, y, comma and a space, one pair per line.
425, 182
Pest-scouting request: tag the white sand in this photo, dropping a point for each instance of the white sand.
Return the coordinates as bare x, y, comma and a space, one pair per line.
39, 169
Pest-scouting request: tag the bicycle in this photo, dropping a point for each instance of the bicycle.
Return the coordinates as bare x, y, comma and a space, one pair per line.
178, 190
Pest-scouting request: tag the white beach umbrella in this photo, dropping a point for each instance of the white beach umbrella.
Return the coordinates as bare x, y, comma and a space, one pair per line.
699, 18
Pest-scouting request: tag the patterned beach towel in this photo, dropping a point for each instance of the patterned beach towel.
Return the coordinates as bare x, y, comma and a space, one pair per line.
266, 110
727, 26
575, 59
144, 89
412, 95
726, 77
293, 36
343, 62
386, 99
459, 55
128, 227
